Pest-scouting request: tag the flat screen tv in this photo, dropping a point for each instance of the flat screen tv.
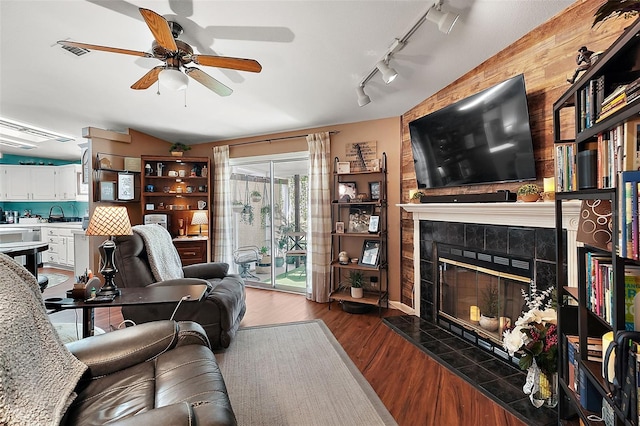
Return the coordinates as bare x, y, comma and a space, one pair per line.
482, 139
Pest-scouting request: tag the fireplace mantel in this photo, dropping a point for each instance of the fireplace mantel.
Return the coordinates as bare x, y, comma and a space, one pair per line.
537, 215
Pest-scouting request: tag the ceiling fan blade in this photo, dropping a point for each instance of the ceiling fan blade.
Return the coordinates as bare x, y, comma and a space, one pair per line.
160, 29
207, 81
104, 48
148, 79
239, 64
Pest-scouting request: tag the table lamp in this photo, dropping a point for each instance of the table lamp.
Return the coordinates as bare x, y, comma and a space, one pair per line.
109, 221
199, 218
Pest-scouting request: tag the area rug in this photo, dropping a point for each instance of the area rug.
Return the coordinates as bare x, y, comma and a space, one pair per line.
55, 279
297, 374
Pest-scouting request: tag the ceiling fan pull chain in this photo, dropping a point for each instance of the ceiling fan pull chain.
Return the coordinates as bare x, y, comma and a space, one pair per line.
185, 98
158, 92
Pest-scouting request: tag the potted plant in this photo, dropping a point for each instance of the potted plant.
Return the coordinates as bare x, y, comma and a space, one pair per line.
246, 215
265, 211
178, 148
489, 309
256, 196
237, 206
529, 192
415, 198
264, 264
356, 279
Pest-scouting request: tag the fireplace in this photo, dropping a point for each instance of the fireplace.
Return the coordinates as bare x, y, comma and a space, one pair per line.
480, 293
463, 252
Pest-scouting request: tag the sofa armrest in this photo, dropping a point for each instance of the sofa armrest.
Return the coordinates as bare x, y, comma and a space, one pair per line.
181, 281
206, 270
120, 349
175, 415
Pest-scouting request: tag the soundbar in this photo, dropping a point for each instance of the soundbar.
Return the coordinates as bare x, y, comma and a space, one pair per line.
491, 197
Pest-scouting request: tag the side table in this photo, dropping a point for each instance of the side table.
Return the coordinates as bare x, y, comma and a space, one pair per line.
128, 296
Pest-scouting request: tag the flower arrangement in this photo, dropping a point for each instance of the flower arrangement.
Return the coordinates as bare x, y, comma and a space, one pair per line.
535, 337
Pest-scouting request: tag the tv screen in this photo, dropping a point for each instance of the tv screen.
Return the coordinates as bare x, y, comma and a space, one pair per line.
482, 139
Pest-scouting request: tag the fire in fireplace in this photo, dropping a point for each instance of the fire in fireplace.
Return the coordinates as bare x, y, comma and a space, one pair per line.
480, 293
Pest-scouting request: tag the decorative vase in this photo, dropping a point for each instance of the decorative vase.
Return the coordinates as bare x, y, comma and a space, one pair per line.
177, 153
530, 198
357, 292
541, 387
237, 208
489, 323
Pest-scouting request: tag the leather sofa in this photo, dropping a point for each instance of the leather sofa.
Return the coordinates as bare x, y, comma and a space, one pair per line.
159, 373
219, 312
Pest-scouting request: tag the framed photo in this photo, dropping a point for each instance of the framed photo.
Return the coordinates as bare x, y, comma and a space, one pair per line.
149, 206
107, 191
339, 227
370, 253
346, 191
343, 167
359, 219
374, 190
374, 223
125, 186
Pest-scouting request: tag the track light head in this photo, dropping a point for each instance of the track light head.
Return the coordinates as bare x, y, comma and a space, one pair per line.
388, 73
445, 21
363, 99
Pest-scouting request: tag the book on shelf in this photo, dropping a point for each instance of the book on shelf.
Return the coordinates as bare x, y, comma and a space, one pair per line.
572, 365
565, 167
594, 347
631, 149
629, 183
598, 275
631, 288
590, 398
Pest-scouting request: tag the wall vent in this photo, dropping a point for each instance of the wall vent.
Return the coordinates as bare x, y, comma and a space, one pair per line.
78, 51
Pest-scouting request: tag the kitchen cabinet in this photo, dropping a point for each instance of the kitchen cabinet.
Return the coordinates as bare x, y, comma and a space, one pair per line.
66, 182
61, 246
26, 183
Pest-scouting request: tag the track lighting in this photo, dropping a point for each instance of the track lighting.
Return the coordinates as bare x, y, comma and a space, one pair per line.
388, 73
363, 99
173, 79
445, 21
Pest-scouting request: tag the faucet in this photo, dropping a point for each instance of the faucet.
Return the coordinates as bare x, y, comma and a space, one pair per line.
53, 207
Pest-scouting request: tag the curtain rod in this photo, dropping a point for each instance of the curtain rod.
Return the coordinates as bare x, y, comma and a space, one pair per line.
332, 132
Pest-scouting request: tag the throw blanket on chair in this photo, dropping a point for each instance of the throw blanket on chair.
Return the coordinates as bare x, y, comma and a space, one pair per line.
163, 256
38, 374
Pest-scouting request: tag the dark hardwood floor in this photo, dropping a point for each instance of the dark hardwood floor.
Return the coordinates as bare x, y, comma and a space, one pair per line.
415, 389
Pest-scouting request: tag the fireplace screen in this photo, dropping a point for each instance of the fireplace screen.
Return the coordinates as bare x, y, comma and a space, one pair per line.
481, 299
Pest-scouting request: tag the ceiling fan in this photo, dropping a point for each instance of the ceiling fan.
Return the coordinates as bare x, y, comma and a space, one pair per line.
175, 54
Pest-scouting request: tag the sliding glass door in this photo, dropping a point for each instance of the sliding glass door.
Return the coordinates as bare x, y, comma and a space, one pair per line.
270, 203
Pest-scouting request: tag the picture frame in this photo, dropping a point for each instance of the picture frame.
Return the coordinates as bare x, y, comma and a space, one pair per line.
339, 227
107, 191
347, 191
126, 188
343, 167
359, 219
149, 206
374, 223
370, 253
374, 190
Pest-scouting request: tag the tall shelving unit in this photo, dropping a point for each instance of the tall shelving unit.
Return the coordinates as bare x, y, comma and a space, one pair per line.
174, 186
580, 313
353, 239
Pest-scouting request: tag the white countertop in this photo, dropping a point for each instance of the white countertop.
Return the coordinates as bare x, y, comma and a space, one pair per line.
22, 226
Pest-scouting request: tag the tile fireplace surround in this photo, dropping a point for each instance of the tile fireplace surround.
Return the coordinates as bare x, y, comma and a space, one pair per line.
523, 229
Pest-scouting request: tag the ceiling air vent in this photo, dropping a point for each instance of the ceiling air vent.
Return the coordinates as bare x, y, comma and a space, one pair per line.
78, 51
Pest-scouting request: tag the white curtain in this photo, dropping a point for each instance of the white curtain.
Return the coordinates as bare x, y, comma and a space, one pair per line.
319, 236
221, 210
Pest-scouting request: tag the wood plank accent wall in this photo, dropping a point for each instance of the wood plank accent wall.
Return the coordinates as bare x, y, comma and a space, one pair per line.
546, 57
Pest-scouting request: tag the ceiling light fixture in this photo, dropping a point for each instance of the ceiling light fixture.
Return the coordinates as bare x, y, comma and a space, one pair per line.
363, 98
173, 78
388, 73
19, 135
445, 21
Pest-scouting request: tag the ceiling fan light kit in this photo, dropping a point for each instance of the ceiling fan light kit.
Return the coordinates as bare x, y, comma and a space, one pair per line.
175, 54
445, 22
173, 79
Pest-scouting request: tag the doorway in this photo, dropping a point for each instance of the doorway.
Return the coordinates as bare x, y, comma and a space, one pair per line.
270, 201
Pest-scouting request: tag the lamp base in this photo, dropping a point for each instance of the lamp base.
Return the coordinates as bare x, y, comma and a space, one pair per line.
108, 270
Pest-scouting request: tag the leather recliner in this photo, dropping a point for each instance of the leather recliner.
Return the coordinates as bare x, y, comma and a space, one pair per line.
220, 310
160, 373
